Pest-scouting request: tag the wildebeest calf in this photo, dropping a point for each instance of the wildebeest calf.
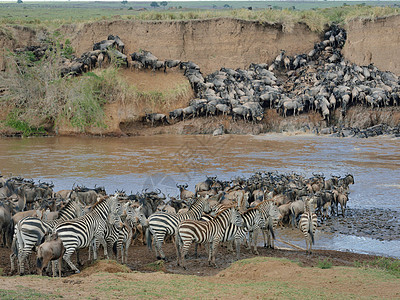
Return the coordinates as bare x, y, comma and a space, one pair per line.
51, 250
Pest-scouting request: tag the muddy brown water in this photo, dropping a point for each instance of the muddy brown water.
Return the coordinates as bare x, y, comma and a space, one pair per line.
135, 163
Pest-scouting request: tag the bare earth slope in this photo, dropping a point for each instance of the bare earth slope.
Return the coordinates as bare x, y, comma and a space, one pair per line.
221, 42
212, 43
374, 42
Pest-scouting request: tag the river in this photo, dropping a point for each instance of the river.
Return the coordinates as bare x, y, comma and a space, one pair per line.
135, 163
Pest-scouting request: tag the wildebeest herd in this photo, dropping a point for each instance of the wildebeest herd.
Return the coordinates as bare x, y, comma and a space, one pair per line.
34, 218
321, 80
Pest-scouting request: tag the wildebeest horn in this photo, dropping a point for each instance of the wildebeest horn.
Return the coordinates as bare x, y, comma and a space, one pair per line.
159, 191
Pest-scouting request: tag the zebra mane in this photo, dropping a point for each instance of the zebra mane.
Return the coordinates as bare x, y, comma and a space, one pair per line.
98, 203
262, 203
252, 208
225, 209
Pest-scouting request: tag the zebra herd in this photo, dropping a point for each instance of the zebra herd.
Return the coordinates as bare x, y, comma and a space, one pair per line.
234, 211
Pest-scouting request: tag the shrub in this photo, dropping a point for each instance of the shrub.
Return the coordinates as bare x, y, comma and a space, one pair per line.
324, 264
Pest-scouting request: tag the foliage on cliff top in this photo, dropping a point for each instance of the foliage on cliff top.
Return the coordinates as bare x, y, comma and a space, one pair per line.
53, 16
37, 96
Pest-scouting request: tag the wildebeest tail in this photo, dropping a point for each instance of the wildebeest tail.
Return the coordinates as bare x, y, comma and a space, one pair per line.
39, 262
10, 233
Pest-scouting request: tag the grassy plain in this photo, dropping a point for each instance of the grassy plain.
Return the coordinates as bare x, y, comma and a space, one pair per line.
314, 13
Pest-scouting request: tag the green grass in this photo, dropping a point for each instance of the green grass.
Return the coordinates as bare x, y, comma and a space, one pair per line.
389, 265
22, 126
314, 13
226, 285
25, 293
324, 264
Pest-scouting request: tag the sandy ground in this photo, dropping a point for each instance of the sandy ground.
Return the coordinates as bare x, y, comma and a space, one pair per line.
264, 276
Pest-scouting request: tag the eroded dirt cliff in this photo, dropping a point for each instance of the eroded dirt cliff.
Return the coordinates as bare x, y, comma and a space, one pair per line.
376, 42
212, 43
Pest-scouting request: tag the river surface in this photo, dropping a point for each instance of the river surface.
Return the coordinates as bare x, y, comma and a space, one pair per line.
135, 163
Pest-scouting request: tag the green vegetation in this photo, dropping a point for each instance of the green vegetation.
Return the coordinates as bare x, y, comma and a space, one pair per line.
156, 266
249, 278
324, 264
13, 121
315, 14
39, 96
390, 265
25, 293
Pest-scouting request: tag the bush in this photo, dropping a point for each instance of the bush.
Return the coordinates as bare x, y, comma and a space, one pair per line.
324, 264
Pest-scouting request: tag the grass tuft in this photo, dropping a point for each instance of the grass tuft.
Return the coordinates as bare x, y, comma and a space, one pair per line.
390, 265
324, 264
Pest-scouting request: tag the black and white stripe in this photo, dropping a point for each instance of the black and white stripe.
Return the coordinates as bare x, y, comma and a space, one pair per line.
81, 232
30, 231
252, 220
308, 225
163, 223
200, 232
271, 215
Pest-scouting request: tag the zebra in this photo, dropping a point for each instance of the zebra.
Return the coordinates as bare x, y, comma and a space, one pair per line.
80, 232
252, 220
201, 232
271, 215
134, 217
162, 223
119, 239
30, 231
308, 224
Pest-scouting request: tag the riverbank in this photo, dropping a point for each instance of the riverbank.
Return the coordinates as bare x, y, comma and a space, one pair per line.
113, 101
275, 273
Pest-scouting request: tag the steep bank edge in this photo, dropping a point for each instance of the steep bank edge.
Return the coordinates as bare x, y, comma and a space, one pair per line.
374, 41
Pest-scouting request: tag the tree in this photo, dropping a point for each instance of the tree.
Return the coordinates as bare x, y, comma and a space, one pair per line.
227, 6
19, 1
154, 4
164, 3
124, 2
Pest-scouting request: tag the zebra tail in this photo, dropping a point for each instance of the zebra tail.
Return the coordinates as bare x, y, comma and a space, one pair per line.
271, 229
310, 231
115, 249
178, 242
149, 239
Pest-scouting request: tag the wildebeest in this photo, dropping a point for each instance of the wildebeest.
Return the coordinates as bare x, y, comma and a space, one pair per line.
153, 118
52, 249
